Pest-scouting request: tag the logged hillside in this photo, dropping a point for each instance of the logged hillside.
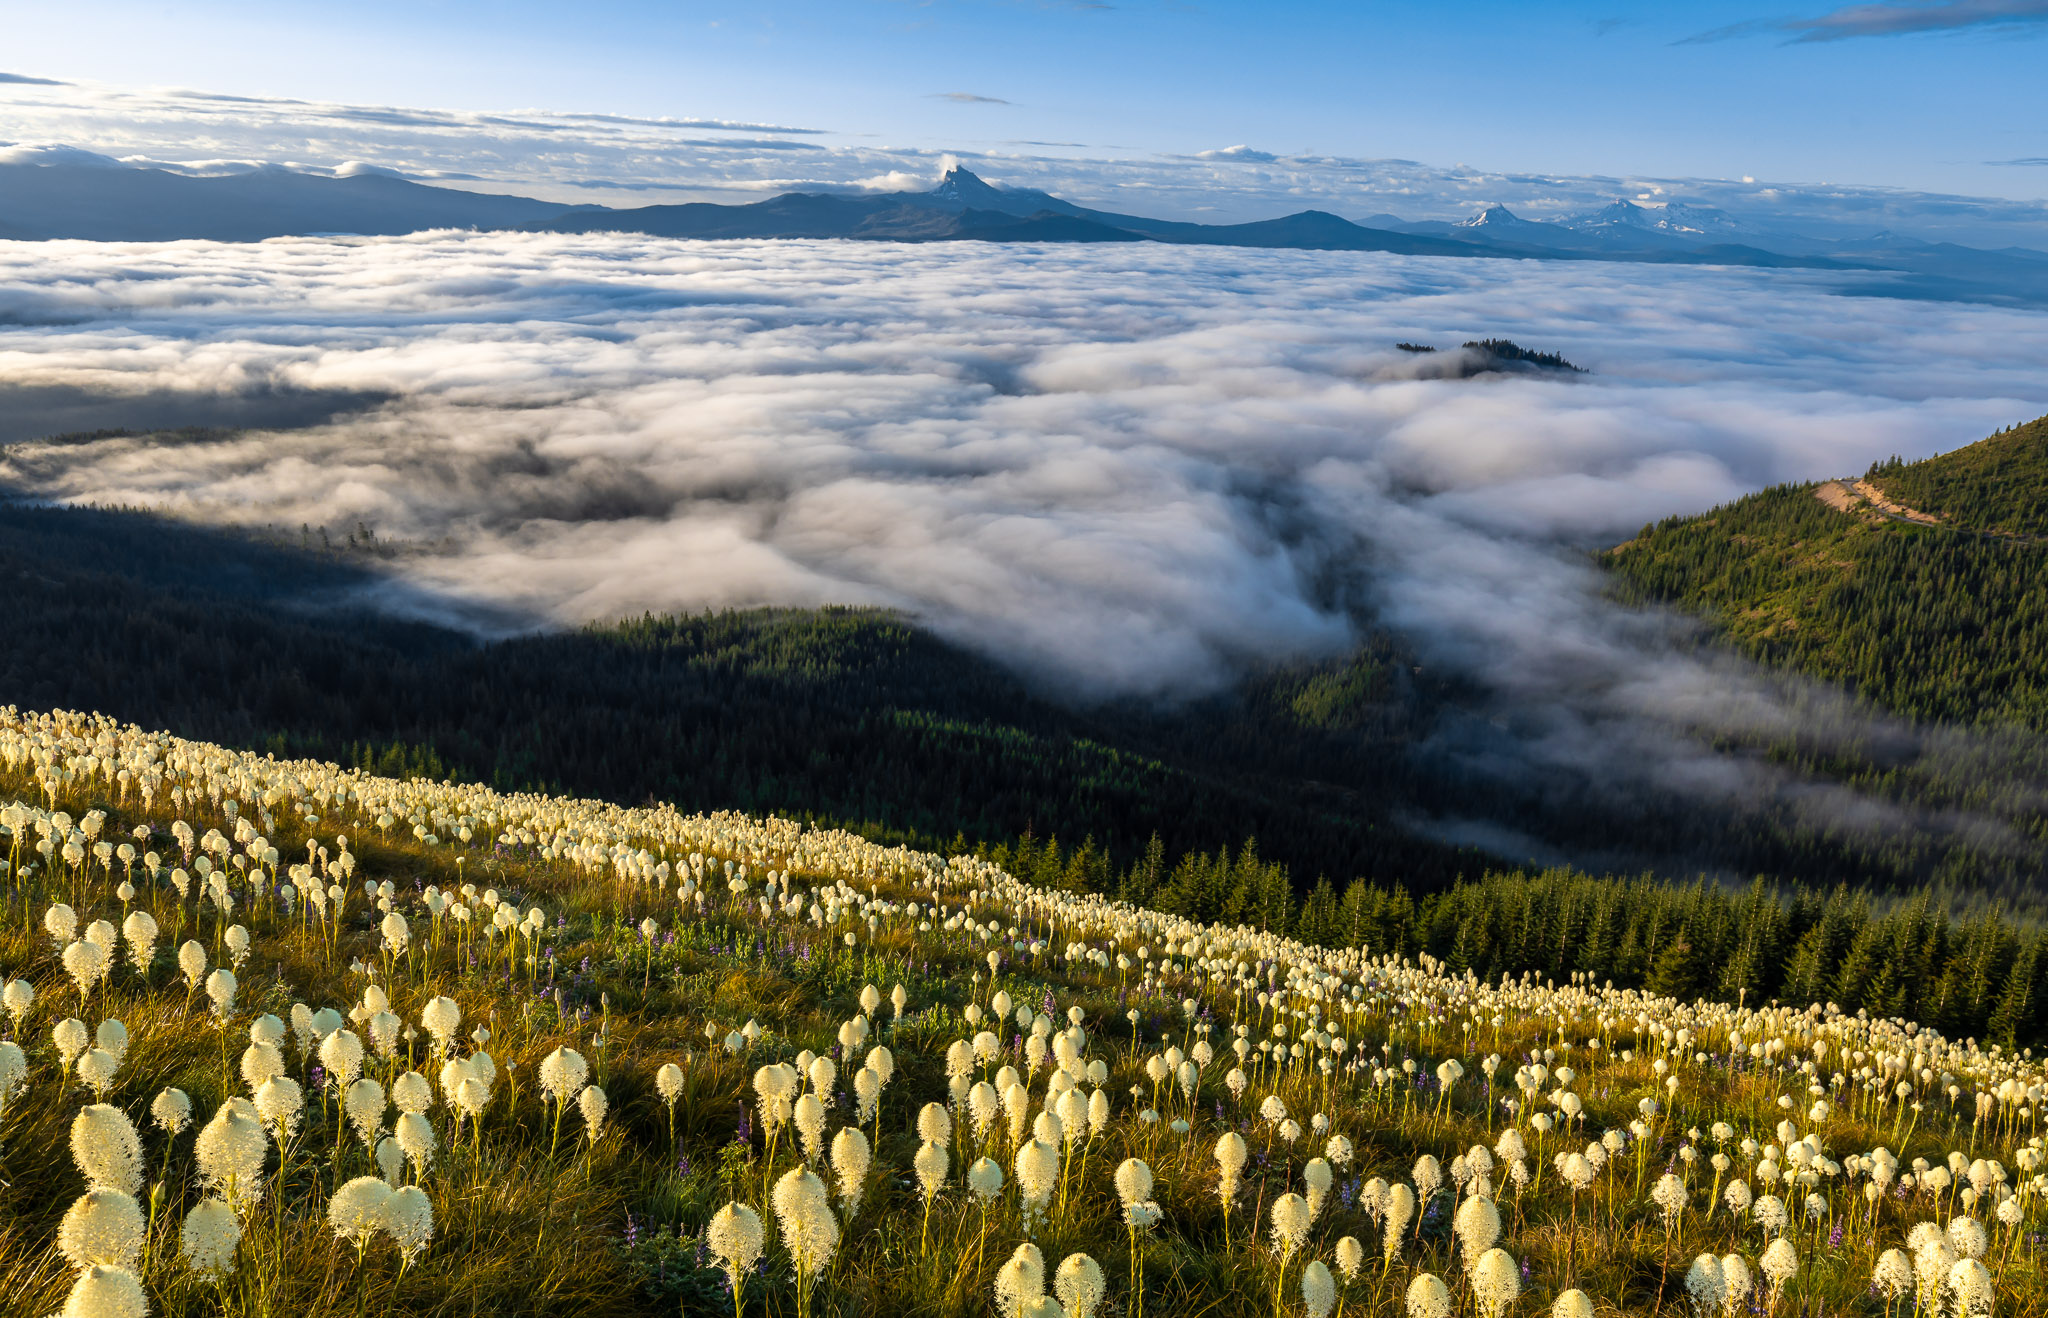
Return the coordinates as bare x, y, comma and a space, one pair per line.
1939, 612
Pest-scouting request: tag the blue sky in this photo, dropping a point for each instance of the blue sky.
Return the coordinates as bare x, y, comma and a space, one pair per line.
1914, 94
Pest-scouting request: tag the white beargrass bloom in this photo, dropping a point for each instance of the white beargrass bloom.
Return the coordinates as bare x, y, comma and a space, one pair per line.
593, 1103
171, 1110
103, 1225
1079, 1285
1133, 1182
851, 1158
1316, 1178
71, 1039
562, 1073
102, 1291
734, 1239
935, 1125
1020, 1282
1969, 1289
1735, 1284
985, 1179
1399, 1211
97, 1069
1477, 1226
221, 987
230, 1151
668, 1083
106, 1149
1350, 1258
390, 1161
1290, 1224
409, 1220
341, 1052
1966, 1237
1038, 1173
415, 1137
1780, 1264
209, 1237
809, 1230
87, 963
930, 1163
192, 962
1669, 1196
1706, 1285
260, 1061
140, 930
356, 1211
411, 1093
279, 1103
364, 1104
1231, 1156
1572, 1304
1893, 1275
1496, 1282
809, 1115
442, 1016
1428, 1297
1318, 1289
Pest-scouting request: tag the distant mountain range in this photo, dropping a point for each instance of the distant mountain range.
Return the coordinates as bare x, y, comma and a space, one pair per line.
59, 193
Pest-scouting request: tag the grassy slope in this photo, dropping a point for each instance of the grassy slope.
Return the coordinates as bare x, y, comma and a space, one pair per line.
613, 1229
1946, 623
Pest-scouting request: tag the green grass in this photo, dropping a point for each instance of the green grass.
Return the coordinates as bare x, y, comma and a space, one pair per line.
612, 1227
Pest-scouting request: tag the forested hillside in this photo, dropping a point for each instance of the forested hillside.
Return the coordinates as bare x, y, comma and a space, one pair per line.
1291, 803
1946, 620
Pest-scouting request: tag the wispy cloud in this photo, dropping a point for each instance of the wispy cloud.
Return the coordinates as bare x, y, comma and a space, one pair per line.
2022, 160
1889, 18
968, 98
23, 79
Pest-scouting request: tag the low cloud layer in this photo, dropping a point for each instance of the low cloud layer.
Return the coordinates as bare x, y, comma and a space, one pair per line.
1126, 471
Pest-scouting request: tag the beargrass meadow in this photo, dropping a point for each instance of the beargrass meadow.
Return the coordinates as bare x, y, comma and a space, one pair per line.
981, 659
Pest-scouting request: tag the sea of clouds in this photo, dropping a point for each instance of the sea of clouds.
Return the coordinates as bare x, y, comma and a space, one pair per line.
1129, 471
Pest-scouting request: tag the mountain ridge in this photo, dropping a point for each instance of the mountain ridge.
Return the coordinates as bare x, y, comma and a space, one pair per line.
50, 193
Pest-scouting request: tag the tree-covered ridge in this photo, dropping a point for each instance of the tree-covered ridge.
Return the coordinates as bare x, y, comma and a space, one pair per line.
1930, 622
1997, 485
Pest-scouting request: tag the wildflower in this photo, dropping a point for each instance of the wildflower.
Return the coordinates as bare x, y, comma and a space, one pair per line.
1079, 1285
356, 1210
102, 1225
1290, 1225
1496, 1282
851, 1158
1572, 1304
1020, 1282
106, 1149
409, 1220
1780, 1263
1428, 1297
1318, 1289
230, 1151
1477, 1226
734, 1238
1399, 1211
105, 1291
209, 1238
593, 1104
